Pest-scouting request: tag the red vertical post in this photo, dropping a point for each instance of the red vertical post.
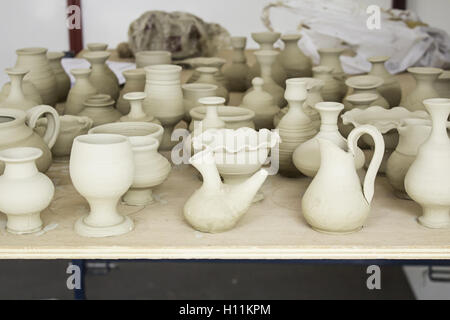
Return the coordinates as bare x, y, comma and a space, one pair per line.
399, 4
75, 33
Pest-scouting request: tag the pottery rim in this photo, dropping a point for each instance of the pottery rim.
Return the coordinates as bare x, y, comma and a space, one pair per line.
163, 68
364, 97
132, 96
31, 51
364, 82
130, 129
55, 55
226, 113
424, 70
207, 70
143, 143
20, 154
329, 105
332, 50
16, 71
291, 37
134, 73
199, 87
97, 46
99, 100
322, 69
13, 117
212, 101
97, 56
266, 36
378, 59
207, 62
80, 71
153, 53
99, 139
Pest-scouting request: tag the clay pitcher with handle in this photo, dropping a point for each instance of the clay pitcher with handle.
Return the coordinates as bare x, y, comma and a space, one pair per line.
335, 201
17, 130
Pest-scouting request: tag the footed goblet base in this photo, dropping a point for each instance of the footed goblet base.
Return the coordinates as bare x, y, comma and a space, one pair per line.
86, 230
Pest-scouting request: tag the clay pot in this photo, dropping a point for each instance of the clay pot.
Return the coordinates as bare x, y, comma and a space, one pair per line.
192, 92
206, 75
366, 84
62, 79
293, 60
330, 57
100, 108
211, 62
16, 99
97, 46
236, 73
80, 92
153, 57
331, 90
425, 80
102, 77
135, 82
41, 74
71, 127
390, 89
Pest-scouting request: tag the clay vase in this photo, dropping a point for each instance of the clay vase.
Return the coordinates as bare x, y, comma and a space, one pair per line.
192, 92
307, 155
277, 72
262, 103
17, 130
211, 119
442, 85
164, 99
80, 92
365, 84
425, 79
41, 74
135, 82
295, 128
62, 79
211, 62
236, 73
330, 57
71, 127
206, 75
137, 114
335, 202
102, 181
413, 133
428, 179
100, 108
16, 99
29, 91
150, 170
390, 89
22, 179
102, 77
152, 57
266, 59
331, 90
234, 117
97, 46
293, 60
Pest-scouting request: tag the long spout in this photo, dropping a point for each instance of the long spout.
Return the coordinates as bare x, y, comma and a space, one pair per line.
205, 164
243, 194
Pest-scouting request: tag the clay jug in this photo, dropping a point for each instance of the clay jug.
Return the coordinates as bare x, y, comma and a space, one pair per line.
80, 92
390, 89
335, 202
330, 57
102, 77
293, 60
428, 179
425, 79
365, 84
16, 99
62, 79
192, 92
16, 130
206, 75
277, 72
331, 90
135, 82
41, 74
236, 73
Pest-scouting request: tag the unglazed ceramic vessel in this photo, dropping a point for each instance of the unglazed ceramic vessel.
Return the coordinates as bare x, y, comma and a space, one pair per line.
262, 103
307, 155
150, 170
71, 127
152, 57
102, 181
442, 84
360, 101
366, 84
16, 98
293, 60
335, 202
331, 90
330, 57
24, 191
192, 92
211, 119
80, 92
62, 79
390, 89
164, 99
266, 58
100, 108
137, 113
386, 121
29, 91
236, 73
215, 206
425, 79
131, 129
211, 62
413, 133
16, 130
41, 74
206, 75
295, 128
238, 153
234, 117
135, 82
102, 77
97, 46
277, 72
428, 179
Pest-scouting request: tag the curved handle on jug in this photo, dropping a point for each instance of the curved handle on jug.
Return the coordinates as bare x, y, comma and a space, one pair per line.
53, 123
353, 137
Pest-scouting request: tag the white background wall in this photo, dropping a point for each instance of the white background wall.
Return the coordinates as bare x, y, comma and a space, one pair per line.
25, 23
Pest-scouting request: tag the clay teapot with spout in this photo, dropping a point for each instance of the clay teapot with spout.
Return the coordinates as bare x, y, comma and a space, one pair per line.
16, 130
217, 207
335, 201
